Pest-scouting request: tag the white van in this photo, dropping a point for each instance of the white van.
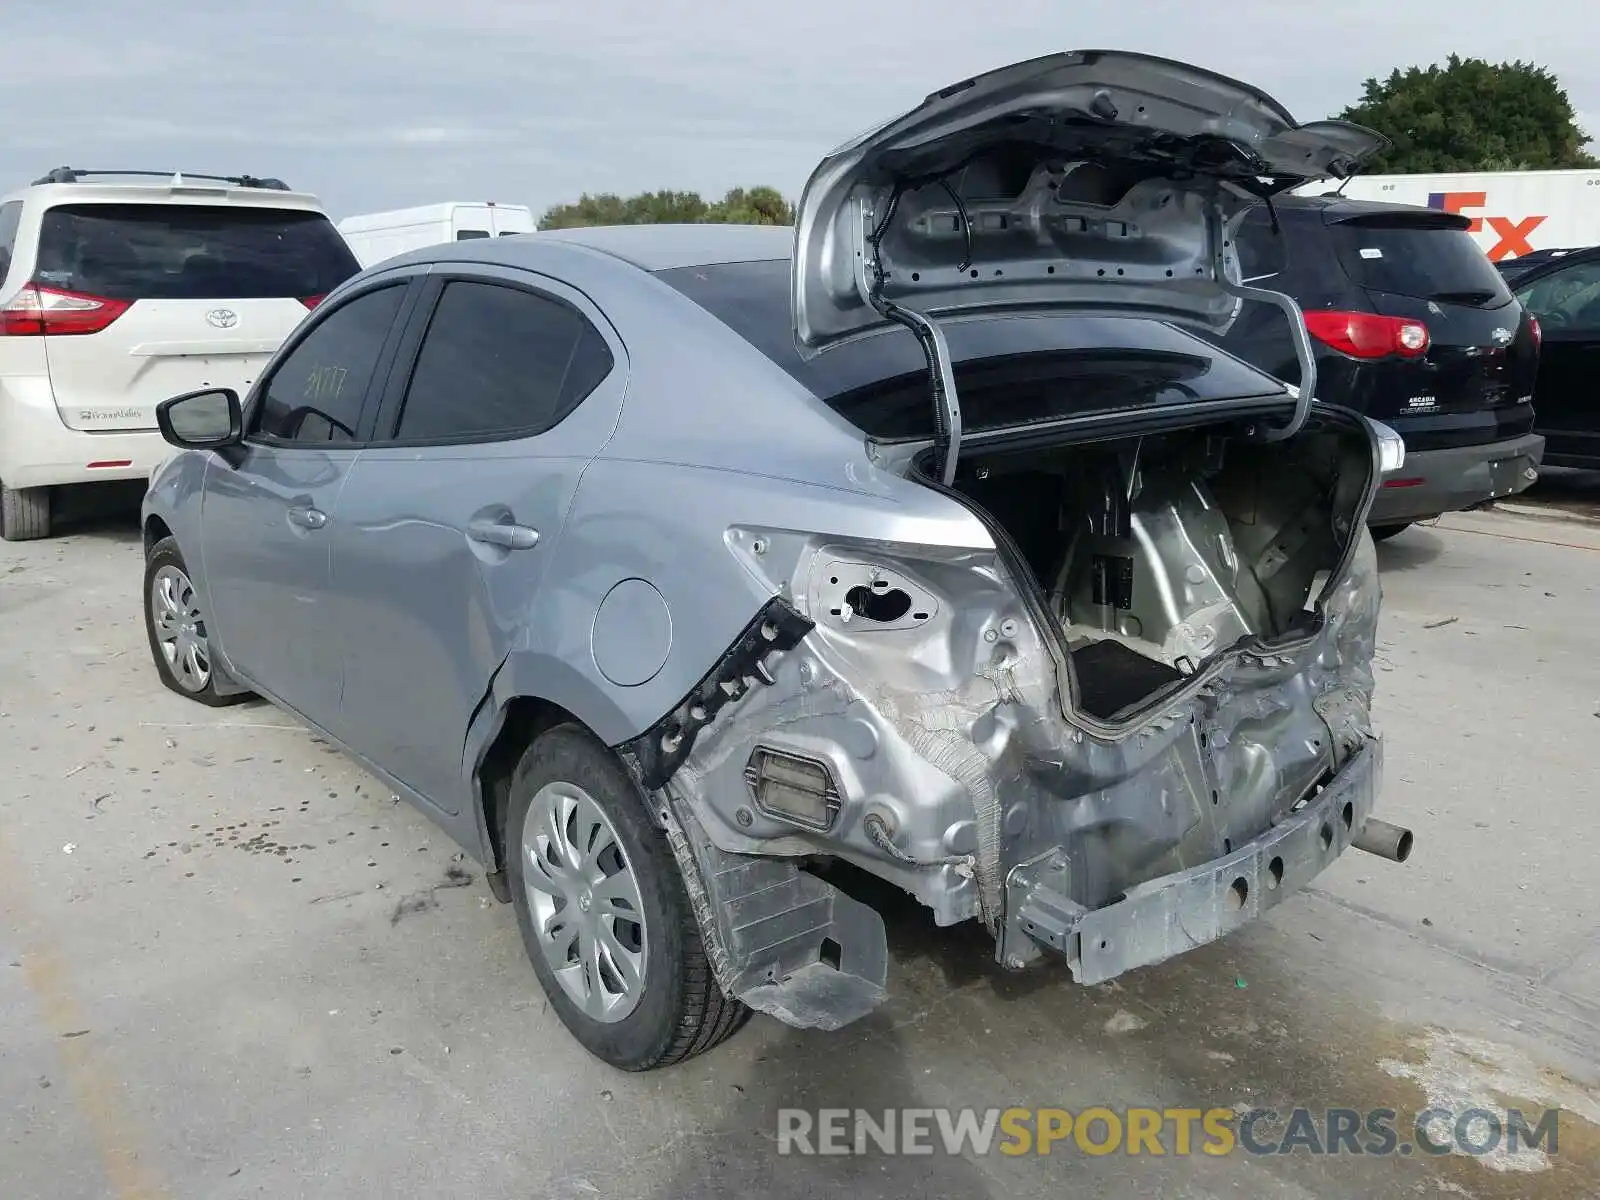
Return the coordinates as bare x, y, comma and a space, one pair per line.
119, 289
377, 236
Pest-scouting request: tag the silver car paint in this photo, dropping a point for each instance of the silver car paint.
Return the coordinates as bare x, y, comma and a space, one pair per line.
409, 574
720, 504
654, 499
176, 497
269, 579
701, 486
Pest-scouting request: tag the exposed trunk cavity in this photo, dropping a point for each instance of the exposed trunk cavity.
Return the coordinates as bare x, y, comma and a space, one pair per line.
1166, 656
1149, 559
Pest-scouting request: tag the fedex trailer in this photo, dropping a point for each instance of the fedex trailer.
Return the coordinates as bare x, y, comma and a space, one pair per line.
380, 235
1512, 212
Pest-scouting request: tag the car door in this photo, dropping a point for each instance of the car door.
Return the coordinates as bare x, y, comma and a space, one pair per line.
268, 517
514, 385
1567, 397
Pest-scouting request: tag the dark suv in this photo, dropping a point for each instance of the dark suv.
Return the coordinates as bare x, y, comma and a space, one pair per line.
1414, 327
1562, 290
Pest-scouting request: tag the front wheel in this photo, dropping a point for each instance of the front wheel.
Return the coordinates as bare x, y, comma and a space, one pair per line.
180, 640
1382, 533
603, 912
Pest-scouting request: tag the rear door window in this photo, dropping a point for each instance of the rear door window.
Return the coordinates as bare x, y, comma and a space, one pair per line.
191, 252
10, 217
500, 362
1263, 252
315, 395
1406, 257
1567, 302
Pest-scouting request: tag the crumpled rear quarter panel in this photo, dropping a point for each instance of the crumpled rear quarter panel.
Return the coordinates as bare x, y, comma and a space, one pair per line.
958, 737
726, 485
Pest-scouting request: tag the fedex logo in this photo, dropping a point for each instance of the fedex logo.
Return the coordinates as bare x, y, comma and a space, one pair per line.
1513, 235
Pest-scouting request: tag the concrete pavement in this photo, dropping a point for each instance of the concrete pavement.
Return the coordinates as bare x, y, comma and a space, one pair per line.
231, 966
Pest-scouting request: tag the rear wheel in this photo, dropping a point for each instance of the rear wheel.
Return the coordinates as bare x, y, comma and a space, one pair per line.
24, 513
603, 912
1382, 533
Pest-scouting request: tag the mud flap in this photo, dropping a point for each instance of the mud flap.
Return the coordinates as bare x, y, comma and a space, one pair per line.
782, 941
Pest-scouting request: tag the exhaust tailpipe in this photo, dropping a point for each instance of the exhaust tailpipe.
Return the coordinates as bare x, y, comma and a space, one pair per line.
1385, 840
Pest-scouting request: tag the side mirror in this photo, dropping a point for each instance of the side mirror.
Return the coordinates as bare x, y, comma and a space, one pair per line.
203, 420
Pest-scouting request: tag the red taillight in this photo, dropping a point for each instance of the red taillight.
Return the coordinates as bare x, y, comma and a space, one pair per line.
1537, 330
313, 301
1367, 335
38, 311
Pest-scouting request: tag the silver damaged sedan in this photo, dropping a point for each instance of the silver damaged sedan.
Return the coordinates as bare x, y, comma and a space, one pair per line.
689, 576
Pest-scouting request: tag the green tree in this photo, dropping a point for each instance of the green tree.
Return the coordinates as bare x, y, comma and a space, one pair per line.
758, 206
741, 206
1472, 115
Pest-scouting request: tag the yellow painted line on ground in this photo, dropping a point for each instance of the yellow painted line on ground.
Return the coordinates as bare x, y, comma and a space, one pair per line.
1512, 537
93, 1087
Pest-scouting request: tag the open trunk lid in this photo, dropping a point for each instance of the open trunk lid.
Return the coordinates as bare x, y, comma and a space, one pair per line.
1092, 180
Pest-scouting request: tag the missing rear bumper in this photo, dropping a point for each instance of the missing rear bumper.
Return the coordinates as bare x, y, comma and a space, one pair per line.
1170, 915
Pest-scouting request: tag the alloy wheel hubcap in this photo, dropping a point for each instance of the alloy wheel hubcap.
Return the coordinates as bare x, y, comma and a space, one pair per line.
584, 899
180, 628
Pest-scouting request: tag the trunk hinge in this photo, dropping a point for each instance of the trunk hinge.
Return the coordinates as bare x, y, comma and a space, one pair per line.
1216, 231
941, 374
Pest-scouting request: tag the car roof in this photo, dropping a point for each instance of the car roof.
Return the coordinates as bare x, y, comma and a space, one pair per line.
52, 194
1335, 208
1540, 263
657, 247
66, 185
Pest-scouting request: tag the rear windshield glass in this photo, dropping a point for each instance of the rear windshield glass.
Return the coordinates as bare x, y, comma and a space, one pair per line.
1011, 371
191, 252
1404, 259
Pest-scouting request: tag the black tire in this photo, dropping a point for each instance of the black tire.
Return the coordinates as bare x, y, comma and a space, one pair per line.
681, 1011
1382, 533
24, 513
165, 554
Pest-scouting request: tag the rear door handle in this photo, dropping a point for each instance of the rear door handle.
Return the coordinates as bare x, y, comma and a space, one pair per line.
503, 533
308, 518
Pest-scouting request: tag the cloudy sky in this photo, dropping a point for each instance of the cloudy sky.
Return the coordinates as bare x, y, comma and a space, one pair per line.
382, 103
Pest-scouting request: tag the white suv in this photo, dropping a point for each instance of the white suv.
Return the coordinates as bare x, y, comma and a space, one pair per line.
116, 295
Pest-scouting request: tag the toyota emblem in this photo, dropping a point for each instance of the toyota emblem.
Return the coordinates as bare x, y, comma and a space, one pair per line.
222, 318
1503, 337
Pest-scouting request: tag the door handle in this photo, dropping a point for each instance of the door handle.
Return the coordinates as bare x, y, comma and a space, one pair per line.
307, 518
503, 533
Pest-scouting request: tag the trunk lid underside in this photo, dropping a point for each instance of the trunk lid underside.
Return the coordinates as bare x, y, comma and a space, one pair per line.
1092, 180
